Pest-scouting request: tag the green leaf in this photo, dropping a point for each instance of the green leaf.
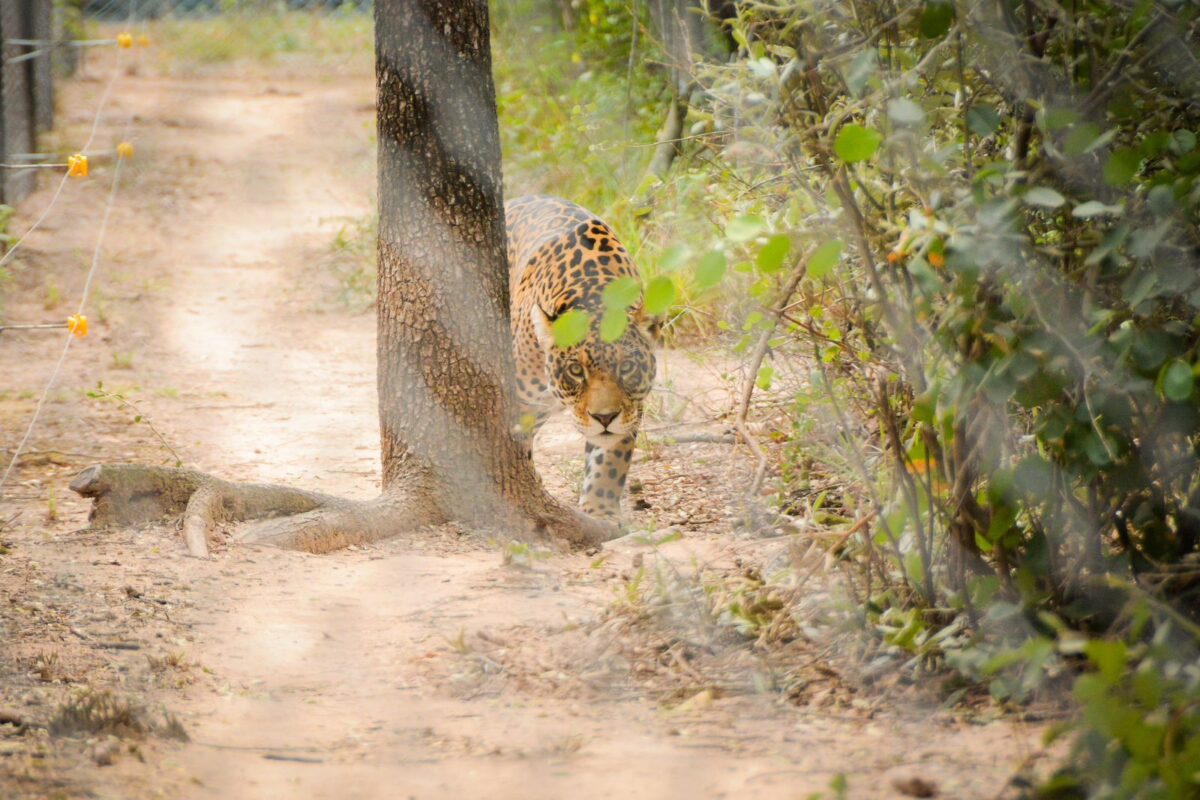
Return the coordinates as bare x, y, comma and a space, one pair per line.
744, 228
1080, 138
1155, 143
905, 112
1042, 196
1108, 657
821, 262
1094, 208
674, 257
622, 293
660, 294
1161, 200
772, 254
862, 69
1096, 449
570, 328
1184, 141
1176, 380
710, 270
1003, 518
1121, 166
1054, 119
613, 324
855, 143
983, 120
936, 19
765, 374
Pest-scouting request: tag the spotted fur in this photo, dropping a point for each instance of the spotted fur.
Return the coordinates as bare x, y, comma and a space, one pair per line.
561, 257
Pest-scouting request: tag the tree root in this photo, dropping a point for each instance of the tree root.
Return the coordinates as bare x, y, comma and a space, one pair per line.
132, 494
560, 523
333, 527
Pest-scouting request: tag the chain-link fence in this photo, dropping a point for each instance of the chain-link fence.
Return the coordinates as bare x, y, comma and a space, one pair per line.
155, 9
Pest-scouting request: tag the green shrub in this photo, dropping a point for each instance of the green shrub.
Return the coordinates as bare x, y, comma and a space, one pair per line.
997, 208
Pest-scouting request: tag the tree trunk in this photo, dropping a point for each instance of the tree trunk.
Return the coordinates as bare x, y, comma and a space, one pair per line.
445, 365
686, 32
670, 137
446, 388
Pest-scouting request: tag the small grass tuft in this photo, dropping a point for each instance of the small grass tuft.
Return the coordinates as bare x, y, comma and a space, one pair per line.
90, 712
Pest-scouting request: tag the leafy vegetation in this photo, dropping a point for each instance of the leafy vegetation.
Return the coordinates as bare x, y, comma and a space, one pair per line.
263, 32
996, 205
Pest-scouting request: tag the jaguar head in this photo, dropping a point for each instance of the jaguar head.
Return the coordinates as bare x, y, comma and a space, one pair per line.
604, 384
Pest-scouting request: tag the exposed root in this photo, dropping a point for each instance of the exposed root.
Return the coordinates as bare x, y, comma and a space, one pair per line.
333, 527
131, 494
564, 524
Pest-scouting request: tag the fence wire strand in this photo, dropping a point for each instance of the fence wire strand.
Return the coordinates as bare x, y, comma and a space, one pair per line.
95, 262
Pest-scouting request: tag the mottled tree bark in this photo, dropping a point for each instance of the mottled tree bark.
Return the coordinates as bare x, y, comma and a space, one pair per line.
445, 368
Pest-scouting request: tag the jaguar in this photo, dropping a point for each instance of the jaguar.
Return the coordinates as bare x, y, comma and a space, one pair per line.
561, 257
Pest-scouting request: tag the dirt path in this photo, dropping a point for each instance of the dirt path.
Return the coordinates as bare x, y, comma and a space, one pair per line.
422, 668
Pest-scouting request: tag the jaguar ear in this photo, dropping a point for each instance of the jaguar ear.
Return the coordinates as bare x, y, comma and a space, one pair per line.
541, 325
651, 326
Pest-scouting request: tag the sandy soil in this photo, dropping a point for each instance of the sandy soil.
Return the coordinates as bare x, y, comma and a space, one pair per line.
440, 666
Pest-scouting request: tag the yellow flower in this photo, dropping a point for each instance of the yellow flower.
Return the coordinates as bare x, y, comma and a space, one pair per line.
143, 41
77, 324
125, 150
77, 166
125, 40
576, 58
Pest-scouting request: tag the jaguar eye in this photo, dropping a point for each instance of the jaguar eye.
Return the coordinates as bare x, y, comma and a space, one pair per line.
628, 366
575, 370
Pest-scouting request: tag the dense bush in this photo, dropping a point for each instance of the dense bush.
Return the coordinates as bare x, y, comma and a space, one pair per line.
1015, 311
996, 205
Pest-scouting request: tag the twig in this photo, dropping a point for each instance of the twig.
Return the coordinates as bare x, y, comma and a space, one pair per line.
701, 438
101, 393
842, 538
756, 359
297, 759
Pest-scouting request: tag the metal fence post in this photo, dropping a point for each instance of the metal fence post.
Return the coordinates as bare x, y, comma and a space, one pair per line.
39, 15
16, 108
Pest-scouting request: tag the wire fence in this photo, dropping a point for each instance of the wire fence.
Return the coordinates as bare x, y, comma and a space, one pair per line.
39, 43
156, 9
21, 107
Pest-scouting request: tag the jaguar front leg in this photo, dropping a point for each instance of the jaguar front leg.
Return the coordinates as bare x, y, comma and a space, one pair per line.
604, 473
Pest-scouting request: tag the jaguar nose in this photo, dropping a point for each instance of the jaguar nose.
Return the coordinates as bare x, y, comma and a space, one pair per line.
604, 419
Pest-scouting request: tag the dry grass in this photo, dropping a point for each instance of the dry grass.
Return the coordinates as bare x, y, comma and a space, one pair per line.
91, 712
